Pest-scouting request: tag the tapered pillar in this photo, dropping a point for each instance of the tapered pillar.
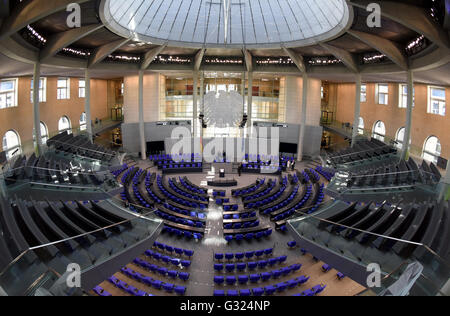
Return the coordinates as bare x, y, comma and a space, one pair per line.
36, 108
250, 103
301, 140
409, 110
87, 103
141, 116
195, 105
357, 109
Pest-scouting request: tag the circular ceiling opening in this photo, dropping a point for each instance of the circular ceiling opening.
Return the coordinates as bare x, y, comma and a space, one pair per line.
228, 23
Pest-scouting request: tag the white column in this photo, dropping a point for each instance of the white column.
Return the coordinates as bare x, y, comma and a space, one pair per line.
250, 103
141, 116
36, 109
202, 103
409, 111
357, 109
87, 103
301, 140
195, 105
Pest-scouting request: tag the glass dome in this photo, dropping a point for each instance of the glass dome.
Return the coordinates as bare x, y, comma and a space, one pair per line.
227, 23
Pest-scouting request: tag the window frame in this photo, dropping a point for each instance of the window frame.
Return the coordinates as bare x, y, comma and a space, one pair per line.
59, 90
431, 98
402, 95
375, 134
363, 93
81, 89
9, 150
42, 90
69, 129
14, 98
386, 94
425, 152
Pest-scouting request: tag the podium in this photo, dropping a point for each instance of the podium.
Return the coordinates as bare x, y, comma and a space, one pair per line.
222, 173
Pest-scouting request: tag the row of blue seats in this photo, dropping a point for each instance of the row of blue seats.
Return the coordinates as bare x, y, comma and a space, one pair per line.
127, 288
176, 156
267, 290
126, 174
255, 278
157, 284
261, 194
283, 204
192, 188
101, 291
249, 236
167, 260
178, 210
316, 176
198, 165
298, 206
231, 208
327, 174
185, 194
241, 255
184, 276
219, 193
262, 264
178, 220
177, 199
170, 249
117, 172
222, 200
248, 190
240, 216
242, 225
313, 292
182, 233
270, 199
152, 194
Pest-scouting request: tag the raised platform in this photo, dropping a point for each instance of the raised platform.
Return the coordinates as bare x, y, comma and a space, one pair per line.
223, 183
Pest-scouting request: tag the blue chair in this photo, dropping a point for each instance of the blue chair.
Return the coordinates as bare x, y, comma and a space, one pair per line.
259, 253
340, 275
230, 267
180, 290
281, 287
219, 280
270, 290
172, 274
326, 268
218, 267
189, 253
239, 237
254, 278
219, 293
231, 280
268, 252
245, 293
282, 259
258, 291
263, 264
266, 276
232, 293
252, 265
185, 263
184, 276
249, 254
168, 287
229, 238
243, 279
218, 256
229, 256
241, 266
239, 256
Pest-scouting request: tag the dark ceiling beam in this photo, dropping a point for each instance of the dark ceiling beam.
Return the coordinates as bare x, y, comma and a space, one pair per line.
296, 58
248, 59
150, 56
64, 39
384, 46
411, 16
198, 59
347, 58
104, 51
30, 11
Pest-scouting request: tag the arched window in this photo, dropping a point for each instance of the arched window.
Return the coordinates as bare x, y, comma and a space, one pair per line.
432, 149
379, 131
400, 136
361, 126
83, 125
11, 144
44, 134
64, 125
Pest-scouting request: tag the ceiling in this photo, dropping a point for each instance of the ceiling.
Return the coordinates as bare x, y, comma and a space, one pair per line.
37, 31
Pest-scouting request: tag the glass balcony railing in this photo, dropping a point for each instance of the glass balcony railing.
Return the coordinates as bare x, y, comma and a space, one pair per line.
44, 264
354, 250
